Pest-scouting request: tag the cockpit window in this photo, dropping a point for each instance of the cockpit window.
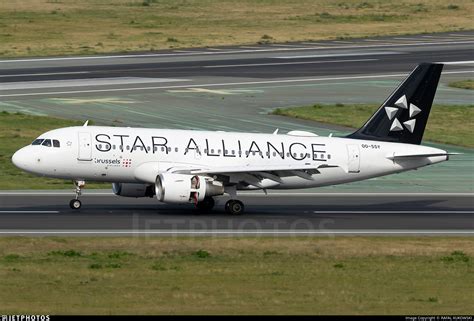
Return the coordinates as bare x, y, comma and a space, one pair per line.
37, 141
56, 143
47, 143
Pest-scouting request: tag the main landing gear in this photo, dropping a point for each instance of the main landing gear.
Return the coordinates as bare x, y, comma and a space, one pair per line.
75, 203
233, 207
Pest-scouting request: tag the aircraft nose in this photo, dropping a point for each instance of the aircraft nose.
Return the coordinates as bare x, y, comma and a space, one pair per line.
20, 158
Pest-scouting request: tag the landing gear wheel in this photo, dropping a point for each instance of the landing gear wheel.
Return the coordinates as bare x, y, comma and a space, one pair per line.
234, 207
206, 204
75, 204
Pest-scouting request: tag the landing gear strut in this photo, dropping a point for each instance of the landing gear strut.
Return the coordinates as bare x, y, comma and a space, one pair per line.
206, 204
75, 203
234, 207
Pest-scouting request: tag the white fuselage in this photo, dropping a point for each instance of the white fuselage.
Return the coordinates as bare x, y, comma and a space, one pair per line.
138, 155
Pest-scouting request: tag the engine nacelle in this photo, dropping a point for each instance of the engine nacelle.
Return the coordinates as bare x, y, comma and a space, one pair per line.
133, 190
184, 188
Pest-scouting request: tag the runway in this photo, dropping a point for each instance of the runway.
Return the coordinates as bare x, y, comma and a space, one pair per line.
233, 89
277, 214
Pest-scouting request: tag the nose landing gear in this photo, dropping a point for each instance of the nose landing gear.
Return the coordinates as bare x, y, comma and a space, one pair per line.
75, 203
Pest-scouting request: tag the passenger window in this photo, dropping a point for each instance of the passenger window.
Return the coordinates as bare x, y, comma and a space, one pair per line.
56, 143
47, 143
37, 141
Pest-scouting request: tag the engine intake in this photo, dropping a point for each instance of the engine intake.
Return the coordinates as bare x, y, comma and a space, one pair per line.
184, 188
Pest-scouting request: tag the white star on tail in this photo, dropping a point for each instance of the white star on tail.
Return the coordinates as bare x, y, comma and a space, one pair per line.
410, 124
414, 110
392, 111
396, 126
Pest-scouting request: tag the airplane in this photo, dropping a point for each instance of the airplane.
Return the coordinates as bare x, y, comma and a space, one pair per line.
190, 166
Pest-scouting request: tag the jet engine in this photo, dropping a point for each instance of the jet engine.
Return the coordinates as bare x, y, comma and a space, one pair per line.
184, 188
133, 190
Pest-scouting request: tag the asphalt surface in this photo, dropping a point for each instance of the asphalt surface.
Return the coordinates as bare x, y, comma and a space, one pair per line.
202, 67
275, 214
233, 89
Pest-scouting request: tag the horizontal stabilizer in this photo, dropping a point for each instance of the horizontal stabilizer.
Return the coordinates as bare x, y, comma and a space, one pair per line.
402, 156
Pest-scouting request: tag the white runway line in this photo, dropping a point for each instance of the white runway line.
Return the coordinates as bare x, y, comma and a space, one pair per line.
225, 84
287, 46
190, 52
287, 63
239, 232
461, 36
375, 53
407, 38
84, 82
256, 194
456, 62
29, 212
47, 74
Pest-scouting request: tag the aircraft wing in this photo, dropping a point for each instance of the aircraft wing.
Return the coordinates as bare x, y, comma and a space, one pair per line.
254, 175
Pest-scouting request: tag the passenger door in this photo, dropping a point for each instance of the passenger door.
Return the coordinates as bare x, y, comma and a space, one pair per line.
353, 155
85, 147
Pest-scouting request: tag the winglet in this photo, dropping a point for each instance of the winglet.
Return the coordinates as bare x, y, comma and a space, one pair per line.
86, 123
275, 132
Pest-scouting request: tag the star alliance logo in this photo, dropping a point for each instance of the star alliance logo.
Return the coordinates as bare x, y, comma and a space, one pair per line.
409, 124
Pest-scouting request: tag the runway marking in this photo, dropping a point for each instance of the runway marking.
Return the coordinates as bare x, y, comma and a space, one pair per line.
46, 74
109, 100
375, 40
253, 194
30, 212
289, 46
456, 62
108, 81
190, 53
407, 38
375, 53
223, 84
288, 63
243, 232
203, 90
461, 36
217, 92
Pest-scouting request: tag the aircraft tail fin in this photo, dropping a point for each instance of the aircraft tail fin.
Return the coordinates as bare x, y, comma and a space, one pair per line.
403, 116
